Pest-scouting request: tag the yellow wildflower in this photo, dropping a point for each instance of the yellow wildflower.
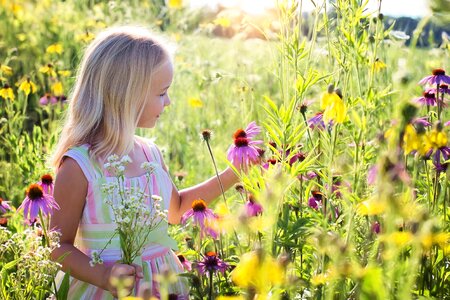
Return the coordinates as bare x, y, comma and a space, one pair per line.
230, 298
333, 106
258, 271
57, 89
320, 279
411, 140
6, 70
378, 65
6, 92
437, 139
85, 37
371, 207
400, 238
195, 102
64, 73
27, 86
55, 48
175, 3
223, 21
48, 69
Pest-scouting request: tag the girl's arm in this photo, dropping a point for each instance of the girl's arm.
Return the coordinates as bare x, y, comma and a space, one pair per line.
181, 201
70, 193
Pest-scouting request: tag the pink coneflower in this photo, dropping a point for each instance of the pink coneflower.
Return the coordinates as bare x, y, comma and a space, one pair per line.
443, 152
428, 98
4, 207
437, 77
203, 217
48, 99
422, 121
47, 183
244, 150
211, 263
37, 200
317, 121
376, 227
443, 89
187, 265
252, 207
316, 200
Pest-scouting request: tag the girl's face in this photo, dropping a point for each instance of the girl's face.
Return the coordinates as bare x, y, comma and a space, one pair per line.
159, 97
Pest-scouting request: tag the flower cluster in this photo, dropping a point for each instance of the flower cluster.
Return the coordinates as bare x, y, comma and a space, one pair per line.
136, 213
39, 199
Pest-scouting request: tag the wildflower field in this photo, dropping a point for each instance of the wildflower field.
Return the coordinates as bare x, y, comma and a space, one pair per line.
349, 198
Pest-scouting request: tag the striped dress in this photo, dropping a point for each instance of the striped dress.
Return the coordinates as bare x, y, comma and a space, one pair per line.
97, 226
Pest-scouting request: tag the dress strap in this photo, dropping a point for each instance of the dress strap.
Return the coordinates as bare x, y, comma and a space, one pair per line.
150, 151
81, 155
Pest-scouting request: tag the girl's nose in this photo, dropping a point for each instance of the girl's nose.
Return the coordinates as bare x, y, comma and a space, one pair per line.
167, 101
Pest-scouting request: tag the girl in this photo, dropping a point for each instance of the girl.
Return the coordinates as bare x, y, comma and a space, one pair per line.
122, 84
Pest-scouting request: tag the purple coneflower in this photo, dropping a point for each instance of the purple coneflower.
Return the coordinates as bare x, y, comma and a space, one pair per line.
4, 207
48, 99
3, 222
422, 121
187, 265
252, 207
37, 200
316, 200
437, 77
443, 152
376, 227
211, 263
47, 183
428, 98
443, 89
244, 150
203, 217
317, 121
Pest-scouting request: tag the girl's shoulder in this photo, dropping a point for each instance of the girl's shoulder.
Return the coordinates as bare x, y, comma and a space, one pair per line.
150, 146
80, 154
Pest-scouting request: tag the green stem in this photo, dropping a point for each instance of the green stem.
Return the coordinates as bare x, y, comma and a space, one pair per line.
217, 172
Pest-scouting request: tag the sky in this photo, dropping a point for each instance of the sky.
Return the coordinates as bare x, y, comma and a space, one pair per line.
411, 8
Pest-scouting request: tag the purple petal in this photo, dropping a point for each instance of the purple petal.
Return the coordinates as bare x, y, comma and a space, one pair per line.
252, 130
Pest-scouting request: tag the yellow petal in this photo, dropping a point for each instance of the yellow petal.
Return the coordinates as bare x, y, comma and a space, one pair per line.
175, 3
57, 89
55, 48
195, 102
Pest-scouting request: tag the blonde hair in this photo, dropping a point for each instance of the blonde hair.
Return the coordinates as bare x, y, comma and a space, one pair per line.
113, 82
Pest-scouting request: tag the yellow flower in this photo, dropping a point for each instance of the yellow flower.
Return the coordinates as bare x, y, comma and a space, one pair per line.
195, 102
64, 73
320, 279
223, 21
6, 92
57, 89
400, 238
230, 298
251, 272
85, 37
55, 48
335, 110
27, 86
333, 106
371, 207
175, 3
48, 69
437, 139
411, 140
6, 70
378, 65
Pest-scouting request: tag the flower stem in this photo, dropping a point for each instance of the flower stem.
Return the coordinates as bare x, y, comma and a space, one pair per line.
217, 172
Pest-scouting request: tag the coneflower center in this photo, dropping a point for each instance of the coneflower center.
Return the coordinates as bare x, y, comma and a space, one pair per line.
35, 192
199, 205
429, 95
437, 72
241, 142
47, 179
317, 195
240, 133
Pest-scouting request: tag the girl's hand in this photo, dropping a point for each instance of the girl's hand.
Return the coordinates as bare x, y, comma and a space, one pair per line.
121, 276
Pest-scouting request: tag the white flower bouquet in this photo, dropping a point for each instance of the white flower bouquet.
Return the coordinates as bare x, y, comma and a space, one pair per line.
134, 216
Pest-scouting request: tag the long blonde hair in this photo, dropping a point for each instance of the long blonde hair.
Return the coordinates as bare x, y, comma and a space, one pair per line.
113, 82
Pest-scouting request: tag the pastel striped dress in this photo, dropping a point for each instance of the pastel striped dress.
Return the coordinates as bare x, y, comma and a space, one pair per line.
97, 226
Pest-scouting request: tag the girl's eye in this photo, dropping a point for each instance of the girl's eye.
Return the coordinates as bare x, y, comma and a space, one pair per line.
162, 95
